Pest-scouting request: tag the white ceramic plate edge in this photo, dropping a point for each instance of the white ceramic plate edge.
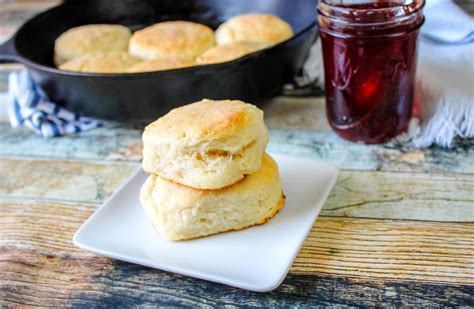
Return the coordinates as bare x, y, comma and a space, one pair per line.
303, 239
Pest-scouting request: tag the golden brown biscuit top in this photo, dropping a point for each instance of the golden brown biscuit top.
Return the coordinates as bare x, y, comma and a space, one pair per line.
115, 62
162, 64
229, 51
206, 119
91, 39
175, 38
254, 27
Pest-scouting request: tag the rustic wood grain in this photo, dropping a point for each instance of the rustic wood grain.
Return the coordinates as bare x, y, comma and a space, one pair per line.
432, 197
47, 280
40, 266
389, 249
399, 157
385, 249
6, 68
297, 113
411, 196
62, 180
43, 227
14, 13
123, 142
115, 142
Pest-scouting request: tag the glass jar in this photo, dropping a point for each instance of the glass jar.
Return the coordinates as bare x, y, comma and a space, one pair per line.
370, 53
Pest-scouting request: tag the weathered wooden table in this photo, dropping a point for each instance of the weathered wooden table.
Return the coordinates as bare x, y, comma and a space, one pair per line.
397, 229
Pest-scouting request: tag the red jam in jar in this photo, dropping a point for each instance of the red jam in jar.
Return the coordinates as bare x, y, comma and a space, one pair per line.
369, 52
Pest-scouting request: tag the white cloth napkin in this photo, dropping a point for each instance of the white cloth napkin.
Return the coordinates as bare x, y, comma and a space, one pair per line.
445, 75
447, 22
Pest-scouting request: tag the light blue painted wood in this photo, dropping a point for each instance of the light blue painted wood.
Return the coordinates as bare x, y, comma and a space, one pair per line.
123, 142
326, 145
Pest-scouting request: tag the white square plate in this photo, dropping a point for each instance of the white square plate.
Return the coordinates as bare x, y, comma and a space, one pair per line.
257, 258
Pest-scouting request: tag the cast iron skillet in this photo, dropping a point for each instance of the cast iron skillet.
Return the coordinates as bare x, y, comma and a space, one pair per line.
252, 78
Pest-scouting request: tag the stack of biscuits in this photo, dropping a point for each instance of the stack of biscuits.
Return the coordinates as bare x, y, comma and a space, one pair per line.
209, 170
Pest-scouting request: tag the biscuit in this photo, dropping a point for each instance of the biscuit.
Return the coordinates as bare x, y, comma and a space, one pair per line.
99, 38
229, 51
117, 62
171, 39
207, 144
180, 212
254, 27
162, 64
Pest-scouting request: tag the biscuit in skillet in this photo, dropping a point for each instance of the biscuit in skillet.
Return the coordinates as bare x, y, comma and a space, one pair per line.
115, 62
162, 64
254, 27
171, 39
87, 39
229, 51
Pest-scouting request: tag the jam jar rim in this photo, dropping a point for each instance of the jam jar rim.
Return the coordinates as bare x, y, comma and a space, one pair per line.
413, 18
338, 12
416, 27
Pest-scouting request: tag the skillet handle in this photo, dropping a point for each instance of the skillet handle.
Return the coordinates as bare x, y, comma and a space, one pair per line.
8, 52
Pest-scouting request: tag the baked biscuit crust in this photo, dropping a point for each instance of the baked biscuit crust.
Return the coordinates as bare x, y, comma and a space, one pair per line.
115, 62
254, 27
207, 144
229, 51
87, 39
171, 39
180, 212
162, 64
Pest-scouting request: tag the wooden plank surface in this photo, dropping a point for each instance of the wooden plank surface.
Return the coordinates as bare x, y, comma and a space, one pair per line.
38, 263
114, 283
298, 133
62, 180
356, 254
113, 143
389, 157
122, 142
297, 114
357, 194
389, 249
15, 13
354, 247
410, 196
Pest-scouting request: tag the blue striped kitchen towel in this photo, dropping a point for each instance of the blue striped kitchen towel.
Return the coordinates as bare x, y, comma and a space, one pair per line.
29, 106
